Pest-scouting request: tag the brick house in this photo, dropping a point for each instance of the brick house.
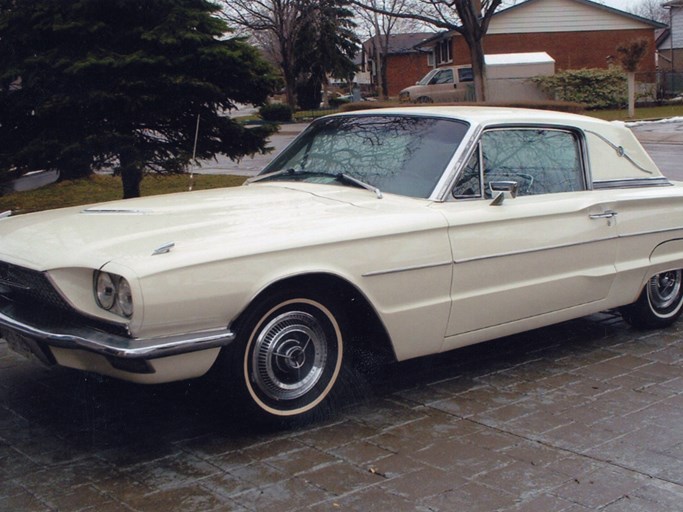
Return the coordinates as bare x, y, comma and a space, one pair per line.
406, 63
576, 33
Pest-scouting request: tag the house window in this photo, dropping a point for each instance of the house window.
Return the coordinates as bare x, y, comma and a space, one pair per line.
443, 52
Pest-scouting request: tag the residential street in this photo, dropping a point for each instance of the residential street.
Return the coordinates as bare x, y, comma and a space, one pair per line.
664, 142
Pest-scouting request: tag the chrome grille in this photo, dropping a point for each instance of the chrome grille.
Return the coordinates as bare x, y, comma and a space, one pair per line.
30, 286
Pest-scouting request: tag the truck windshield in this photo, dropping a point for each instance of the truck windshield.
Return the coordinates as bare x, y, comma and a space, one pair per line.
428, 77
395, 153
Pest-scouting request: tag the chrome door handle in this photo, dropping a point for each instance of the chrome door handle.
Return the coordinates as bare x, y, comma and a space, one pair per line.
607, 214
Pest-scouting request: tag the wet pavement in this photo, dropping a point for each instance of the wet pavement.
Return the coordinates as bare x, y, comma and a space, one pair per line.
585, 415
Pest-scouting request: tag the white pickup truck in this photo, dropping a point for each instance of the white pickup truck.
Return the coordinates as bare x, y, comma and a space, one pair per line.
507, 79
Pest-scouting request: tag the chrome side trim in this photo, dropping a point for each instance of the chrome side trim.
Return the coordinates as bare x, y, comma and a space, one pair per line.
534, 250
564, 246
655, 232
406, 269
659, 181
113, 345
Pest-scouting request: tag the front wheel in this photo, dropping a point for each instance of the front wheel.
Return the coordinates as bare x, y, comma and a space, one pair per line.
289, 357
659, 304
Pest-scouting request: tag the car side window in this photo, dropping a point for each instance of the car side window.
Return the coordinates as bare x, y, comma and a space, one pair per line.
468, 185
541, 161
443, 77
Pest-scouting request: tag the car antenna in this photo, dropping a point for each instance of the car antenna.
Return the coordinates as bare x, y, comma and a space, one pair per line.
194, 153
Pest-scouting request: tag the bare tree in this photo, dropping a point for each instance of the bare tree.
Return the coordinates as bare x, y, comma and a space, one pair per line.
469, 18
630, 54
380, 28
276, 24
652, 10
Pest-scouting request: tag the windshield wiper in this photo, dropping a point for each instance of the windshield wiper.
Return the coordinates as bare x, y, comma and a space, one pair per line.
275, 174
345, 178
340, 177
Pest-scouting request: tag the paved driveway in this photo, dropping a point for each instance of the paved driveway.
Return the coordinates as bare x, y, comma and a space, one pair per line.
582, 416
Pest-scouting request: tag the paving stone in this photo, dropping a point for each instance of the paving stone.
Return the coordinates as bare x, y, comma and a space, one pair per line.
339, 479
473, 497
177, 470
600, 488
304, 459
424, 482
372, 499
291, 494
25, 502
182, 499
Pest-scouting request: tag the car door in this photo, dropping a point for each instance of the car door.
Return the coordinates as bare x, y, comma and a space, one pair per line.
442, 86
551, 248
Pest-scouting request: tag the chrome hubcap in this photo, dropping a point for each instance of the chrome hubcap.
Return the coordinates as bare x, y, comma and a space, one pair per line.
289, 356
664, 289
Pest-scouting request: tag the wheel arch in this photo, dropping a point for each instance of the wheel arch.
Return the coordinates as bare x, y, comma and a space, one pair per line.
354, 304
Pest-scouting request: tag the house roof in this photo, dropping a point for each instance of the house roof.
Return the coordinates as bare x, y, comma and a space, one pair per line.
591, 3
403, 43
654, 24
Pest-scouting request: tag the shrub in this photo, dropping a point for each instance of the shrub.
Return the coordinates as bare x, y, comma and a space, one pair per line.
339, 101
595, 88
276, 112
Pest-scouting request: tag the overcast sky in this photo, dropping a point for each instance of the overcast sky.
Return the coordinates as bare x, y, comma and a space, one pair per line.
624, 5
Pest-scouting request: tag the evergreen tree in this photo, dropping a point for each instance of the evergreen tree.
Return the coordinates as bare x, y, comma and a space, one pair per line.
89, 84
327, 47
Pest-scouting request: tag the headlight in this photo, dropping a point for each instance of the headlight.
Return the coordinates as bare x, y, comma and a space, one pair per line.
105, 291
113, 293
124, 297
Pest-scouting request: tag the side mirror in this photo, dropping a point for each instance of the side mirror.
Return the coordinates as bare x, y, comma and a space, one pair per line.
502, 189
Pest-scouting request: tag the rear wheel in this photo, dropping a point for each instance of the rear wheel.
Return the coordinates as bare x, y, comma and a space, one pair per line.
659, 304
288, 358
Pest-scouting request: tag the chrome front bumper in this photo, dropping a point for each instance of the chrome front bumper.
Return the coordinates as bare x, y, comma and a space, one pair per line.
18, 326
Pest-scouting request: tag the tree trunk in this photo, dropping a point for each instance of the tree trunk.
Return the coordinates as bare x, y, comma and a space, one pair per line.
131, 174
474, 29
631, 94
478, 69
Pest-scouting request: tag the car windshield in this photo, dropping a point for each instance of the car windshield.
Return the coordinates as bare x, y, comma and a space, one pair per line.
398, 154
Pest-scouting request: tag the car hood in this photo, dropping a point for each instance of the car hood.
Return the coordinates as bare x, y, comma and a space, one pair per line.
205, 225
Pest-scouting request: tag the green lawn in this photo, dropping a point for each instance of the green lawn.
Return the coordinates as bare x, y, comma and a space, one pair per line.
100, 188
641, 113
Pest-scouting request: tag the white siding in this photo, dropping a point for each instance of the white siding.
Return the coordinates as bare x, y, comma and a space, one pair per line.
677, 29
560, 16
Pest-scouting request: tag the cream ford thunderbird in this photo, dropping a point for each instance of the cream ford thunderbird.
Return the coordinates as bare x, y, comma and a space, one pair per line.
415, 230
